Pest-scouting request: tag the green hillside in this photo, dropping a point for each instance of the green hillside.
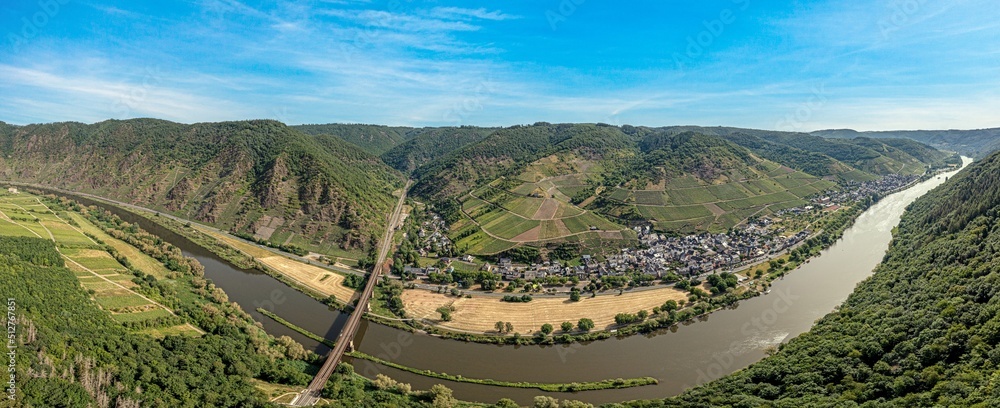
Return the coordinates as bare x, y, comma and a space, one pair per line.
547, 184
374, 139
699, 182
428, 144
924, 330
973, 143
873, 157
259, 177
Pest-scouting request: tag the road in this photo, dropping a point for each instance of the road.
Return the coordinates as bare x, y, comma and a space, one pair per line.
311, 394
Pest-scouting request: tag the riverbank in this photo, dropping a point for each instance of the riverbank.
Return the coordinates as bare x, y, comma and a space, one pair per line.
473, 319
617, 383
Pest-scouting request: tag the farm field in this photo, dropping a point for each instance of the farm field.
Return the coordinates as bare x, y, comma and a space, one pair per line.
108, 281
318, 279
690, 206
479, 314
533, 208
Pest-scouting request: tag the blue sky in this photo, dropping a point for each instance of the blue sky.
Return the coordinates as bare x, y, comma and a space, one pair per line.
786, 65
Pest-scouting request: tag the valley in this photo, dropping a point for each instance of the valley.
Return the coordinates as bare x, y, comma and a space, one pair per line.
615, 231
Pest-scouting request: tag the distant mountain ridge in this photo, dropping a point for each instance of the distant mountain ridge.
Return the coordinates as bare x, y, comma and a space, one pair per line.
327, 187
546, 184
973, 143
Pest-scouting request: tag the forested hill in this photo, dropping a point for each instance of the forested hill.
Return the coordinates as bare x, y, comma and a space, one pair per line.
973, 143
374, 139
507, 150
259, 177
924, 330
863, 153
429, 144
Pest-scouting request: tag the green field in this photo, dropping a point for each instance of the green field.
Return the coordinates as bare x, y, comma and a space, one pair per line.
650, 197
524, 206
66, 235
481, 243
685, 226
509, 226
11, 229
675, 213
140, 316
688, 196
572, 190
121, 301
99, 263
729, 191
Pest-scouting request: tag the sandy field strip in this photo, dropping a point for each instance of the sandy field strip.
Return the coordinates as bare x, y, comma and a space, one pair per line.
308, 275
480, 314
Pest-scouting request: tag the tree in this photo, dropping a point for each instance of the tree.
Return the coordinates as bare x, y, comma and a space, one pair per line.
441, 396
547, 328
585, 324
642, 315
506, 403
499, 326
545, 402
509, 327
566, 326
445, 312
574, 295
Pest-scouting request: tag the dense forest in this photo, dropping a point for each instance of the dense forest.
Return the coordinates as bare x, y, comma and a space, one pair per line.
374, 139
924, 330
430, 144
69, 353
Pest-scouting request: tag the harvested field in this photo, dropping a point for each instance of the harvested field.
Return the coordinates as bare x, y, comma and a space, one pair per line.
311, 276
479, 314
547, 210
529, 235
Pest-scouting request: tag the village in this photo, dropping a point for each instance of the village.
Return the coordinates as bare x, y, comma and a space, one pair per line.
659, 257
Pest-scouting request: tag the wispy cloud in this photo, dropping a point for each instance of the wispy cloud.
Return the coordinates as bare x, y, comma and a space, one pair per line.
467, 13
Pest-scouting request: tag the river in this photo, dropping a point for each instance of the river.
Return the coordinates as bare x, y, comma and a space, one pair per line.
681, 357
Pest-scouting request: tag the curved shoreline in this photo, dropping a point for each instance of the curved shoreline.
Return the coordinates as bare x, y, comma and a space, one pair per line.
655, 323
617, 383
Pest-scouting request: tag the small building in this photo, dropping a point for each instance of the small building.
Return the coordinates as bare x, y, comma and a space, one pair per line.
12, 190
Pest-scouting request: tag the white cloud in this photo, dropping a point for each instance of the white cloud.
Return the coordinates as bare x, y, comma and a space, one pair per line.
467, 13
399, 21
